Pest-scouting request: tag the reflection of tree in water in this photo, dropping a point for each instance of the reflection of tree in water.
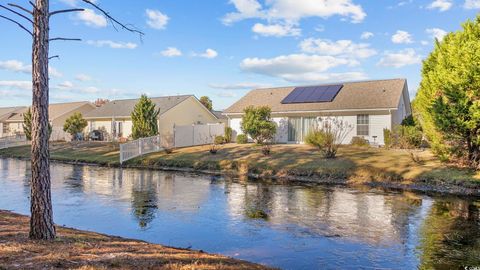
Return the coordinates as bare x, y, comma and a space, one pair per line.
451, 236
258, 201
144, 198
74, 181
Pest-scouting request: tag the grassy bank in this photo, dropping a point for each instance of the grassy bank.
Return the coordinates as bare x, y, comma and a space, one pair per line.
354, 165
74, 249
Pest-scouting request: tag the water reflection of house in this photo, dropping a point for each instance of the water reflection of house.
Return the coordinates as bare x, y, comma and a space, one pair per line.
326, 212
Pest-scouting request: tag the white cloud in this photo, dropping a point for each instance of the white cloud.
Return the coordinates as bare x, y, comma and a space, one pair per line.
441, 5
238, 86
65, 85
300, 67
90, 18
276, 30
366, 35
171, 52
402, 37
344, 48
112, 44
83, 77
74, 3
294, 11
209, 53
400, 59
436, 33
472, 4
24, 85
226, 94
18, 66
156, 19
15, 66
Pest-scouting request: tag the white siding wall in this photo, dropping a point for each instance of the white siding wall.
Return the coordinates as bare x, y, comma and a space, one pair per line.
376, 126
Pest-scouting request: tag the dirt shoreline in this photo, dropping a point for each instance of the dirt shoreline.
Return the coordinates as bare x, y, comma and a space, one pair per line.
77, 249
406, 185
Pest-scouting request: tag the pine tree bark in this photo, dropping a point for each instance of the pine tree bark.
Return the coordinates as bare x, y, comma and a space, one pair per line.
41, 221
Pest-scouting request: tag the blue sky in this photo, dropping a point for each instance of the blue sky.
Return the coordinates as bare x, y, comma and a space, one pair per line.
223, 48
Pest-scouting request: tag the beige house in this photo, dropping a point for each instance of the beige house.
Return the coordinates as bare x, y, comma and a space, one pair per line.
114, 118
12, 122
368, 107
5, 114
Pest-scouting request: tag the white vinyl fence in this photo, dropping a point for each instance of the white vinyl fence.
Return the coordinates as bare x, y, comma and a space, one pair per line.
12, 141
183, 136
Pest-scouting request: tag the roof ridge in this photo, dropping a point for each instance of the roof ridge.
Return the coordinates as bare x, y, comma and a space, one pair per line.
186, 95
332, 83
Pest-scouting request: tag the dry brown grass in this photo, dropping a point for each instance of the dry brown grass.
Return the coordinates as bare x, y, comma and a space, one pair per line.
74, 249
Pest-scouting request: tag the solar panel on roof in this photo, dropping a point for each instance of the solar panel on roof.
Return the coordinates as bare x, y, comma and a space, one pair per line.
313, 94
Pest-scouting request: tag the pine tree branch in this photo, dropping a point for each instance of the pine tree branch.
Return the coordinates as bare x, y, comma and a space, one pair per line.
14, 12
113, 20
65, 39
54, 56
17, 23
21, 8
66, 10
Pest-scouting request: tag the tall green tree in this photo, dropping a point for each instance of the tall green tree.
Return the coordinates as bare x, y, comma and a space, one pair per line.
207, 102
27, 125
145, 118
75, 124
257, 123
448, 100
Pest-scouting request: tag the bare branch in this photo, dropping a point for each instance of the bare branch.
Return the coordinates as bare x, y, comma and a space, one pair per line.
14, 12
54, 56
33, 5
17, 23
66, 10
21, 8
65, 39
113, 20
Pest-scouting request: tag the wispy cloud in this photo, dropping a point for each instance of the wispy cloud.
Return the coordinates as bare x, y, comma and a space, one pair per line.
156, 19
112, 44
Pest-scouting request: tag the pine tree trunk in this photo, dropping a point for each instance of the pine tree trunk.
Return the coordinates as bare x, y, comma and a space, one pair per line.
41, 221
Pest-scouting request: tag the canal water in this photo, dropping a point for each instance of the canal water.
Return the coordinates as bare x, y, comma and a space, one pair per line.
286, 226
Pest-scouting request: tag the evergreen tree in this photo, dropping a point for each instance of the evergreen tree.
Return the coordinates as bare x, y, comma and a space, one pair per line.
207, 102
27, 125
448, 100
145, 118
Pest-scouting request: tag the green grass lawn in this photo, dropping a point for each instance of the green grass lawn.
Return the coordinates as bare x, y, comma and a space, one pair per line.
353, 164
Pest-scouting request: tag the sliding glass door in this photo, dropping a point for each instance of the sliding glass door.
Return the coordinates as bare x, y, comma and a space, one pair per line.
299, 127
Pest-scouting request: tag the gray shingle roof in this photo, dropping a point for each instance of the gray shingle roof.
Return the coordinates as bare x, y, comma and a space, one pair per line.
379, 94
123, 108
54, 110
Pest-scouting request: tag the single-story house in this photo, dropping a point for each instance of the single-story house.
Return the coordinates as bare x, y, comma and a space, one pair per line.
57, 113
114, 118
6, 113
367, 106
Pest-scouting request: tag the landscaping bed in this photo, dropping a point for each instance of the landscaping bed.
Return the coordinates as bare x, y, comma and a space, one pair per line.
75, 249
354, 165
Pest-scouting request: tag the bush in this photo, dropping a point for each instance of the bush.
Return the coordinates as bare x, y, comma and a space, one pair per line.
257, 123
219, 140
228, 134
329, 136
387, 137
359, 141
242, 139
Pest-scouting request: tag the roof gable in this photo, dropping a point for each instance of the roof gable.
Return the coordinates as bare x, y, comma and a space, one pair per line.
367, 95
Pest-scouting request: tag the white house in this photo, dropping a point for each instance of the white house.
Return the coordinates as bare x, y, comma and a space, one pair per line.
114, 118
368, 107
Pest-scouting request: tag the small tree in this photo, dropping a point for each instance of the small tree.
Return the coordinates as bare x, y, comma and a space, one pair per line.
256, 122
228, 134
27, 125
207, 102
328, 136
144, 118
75, 124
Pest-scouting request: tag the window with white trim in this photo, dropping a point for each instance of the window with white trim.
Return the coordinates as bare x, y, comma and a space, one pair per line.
363, 125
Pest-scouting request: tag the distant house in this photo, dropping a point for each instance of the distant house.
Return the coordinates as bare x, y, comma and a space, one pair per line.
12, 122
5, 114
368, 107
114, 118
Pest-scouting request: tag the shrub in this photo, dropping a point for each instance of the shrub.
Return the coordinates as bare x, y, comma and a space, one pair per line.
359, 141
219, 140
329, 136
228, 134
387, 137
256, 123
75, 124
242, 139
